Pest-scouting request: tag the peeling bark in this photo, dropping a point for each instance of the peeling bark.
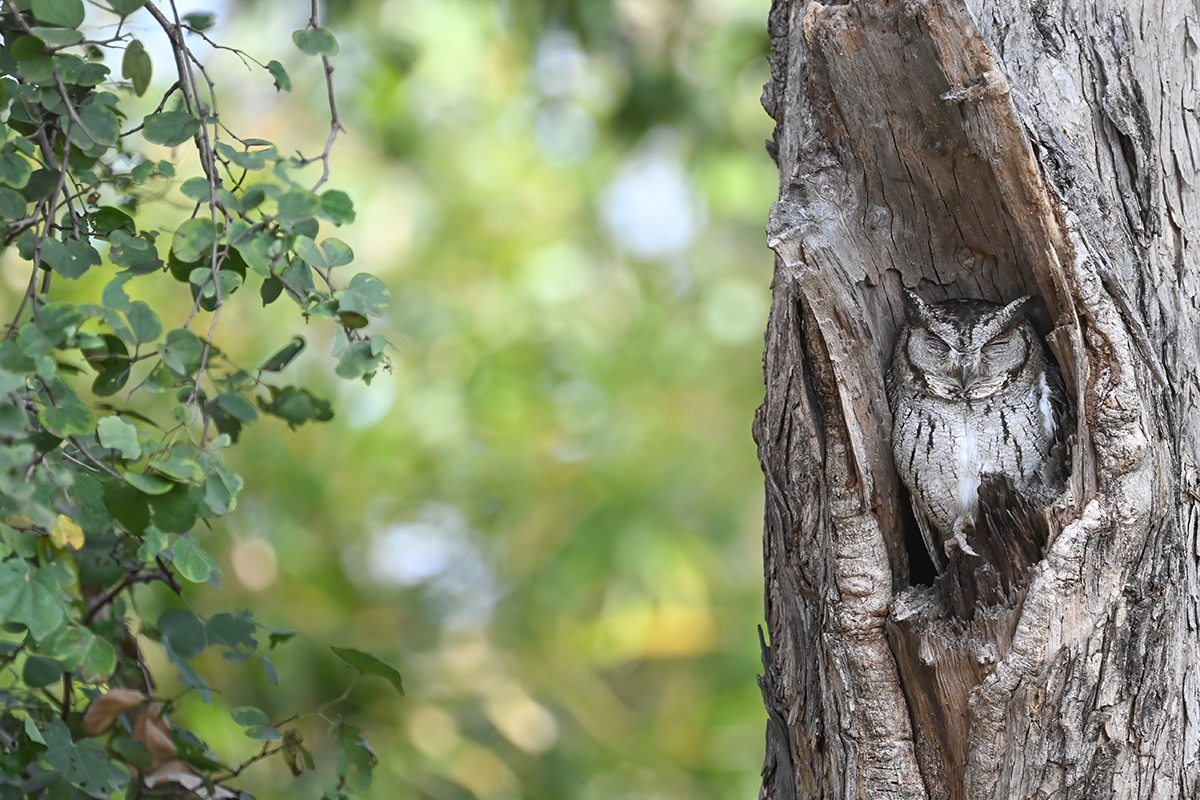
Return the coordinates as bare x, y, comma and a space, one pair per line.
985, 151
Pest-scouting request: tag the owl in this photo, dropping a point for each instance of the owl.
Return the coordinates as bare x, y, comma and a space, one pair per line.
974, 394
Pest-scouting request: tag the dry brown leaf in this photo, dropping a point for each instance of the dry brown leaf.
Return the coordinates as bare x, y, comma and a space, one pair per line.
153, 732
104, 709
183, 774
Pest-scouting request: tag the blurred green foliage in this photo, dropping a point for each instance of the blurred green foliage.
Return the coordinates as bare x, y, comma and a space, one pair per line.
548, 516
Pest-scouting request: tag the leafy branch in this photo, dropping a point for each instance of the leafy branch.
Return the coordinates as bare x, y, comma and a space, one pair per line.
102, 498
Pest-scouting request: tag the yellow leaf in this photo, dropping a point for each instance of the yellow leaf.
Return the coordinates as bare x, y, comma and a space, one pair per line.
67, 533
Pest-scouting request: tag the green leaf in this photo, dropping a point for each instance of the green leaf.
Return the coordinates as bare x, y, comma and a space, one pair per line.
31, 730
195, 189
185, 630
181, 352
337, 207
270, 290
114, 295
99, 658
297, 205
175, 511
264, 733
137, 67
60, 321
132, 753
296, 405
191, 559
194, 238
39, 671
57, 36
78, 649
277, 636
307, 249
101, 122
272, 672
238, 407
143, 322
111, 380
133, 252
221, 488
154, 542
282, 81
67, 13
251, 159
70, 418
27, 48
149, 483
169, 128
126, 7
107, 219
200, 20
41, 183
355, 758
118, 433
368, 664
191, 678
30, 598
337, 253
236, 633
255, 252
93, 514
14, 170
285, 355
83, 764
366, 295
178, 468
316, 42
203, 286
248, 716
56, 256
358, 359
12, 205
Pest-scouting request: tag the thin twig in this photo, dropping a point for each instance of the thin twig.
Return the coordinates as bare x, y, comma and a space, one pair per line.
335, 122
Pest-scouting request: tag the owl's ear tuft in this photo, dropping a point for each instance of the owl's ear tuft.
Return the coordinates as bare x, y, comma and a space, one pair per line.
1010, 314
915, 309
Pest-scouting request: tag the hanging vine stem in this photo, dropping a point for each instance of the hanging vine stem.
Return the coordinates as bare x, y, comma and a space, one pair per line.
335, 122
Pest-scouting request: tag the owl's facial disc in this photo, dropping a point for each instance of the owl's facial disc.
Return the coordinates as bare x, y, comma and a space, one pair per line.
966, 368
938, 362
996, 362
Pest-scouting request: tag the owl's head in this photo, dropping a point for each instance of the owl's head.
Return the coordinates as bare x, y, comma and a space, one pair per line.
966, 349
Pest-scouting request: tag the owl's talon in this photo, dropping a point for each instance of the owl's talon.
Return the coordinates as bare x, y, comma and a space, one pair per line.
961, 526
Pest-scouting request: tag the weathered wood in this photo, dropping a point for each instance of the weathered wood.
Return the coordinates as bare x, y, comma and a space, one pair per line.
985, 151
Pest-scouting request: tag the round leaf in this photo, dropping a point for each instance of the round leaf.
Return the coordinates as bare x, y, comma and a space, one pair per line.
67, 13
194, 238
191, 560
40, 671
316, 42
120, 434
169, 128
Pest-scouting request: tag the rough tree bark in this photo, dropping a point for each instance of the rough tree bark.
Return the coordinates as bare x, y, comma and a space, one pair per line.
988, 150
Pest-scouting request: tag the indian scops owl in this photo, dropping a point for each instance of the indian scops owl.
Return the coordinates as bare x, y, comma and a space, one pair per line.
974, 394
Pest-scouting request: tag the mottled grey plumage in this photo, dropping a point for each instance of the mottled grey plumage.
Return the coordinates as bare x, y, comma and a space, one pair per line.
973, 394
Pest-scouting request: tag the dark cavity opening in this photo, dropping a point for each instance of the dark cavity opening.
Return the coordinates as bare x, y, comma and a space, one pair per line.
921, 571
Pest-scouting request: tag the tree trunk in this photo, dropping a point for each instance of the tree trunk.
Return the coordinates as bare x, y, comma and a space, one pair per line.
984, 150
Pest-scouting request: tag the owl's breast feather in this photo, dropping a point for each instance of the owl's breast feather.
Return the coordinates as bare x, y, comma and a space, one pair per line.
1049, 425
